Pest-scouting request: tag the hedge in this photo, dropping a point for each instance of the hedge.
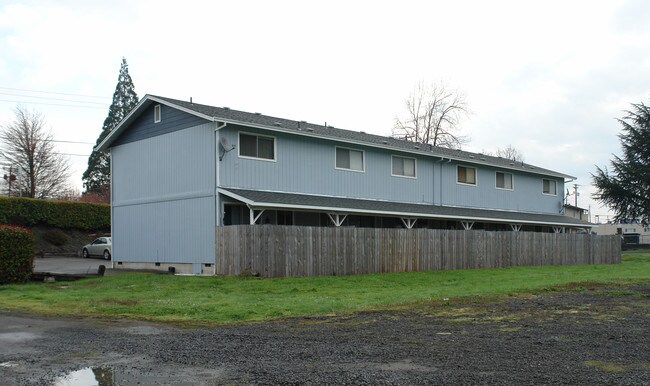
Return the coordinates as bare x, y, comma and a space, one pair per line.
17, 247
58, 214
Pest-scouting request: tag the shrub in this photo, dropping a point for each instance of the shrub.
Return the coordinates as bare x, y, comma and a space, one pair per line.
55, 237
17, 247
58, 214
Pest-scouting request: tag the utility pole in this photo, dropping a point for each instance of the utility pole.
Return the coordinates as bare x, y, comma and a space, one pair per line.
575, 194
10, 178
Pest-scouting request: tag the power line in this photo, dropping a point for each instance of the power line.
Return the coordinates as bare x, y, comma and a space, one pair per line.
54, 99
83, 143
75, 155
53, 92
52, 104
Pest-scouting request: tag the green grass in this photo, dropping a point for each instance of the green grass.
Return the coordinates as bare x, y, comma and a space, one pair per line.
183, 299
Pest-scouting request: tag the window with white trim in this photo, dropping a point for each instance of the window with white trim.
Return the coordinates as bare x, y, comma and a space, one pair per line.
549, 187
504, 180
156, 114
403, 167
256, 146
466, 175
349, 159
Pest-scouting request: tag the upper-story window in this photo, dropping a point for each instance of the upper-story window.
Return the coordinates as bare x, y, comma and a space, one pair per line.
256, 146
403, 167
504, 181
349, 159
549, 187
466, 175
156, 114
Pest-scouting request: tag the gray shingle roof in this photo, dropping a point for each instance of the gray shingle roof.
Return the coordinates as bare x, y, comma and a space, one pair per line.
329, 132
267, 199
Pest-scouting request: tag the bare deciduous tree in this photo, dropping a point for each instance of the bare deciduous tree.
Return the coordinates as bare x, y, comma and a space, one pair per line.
511, 153
28, 147
433, 116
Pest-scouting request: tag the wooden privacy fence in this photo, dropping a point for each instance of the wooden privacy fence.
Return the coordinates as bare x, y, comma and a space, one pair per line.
277, 251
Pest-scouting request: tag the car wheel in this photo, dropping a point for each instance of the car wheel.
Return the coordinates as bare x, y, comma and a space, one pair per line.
85, 253
107, 255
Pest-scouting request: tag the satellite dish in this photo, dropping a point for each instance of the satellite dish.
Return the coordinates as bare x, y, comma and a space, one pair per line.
225, 144
225, 147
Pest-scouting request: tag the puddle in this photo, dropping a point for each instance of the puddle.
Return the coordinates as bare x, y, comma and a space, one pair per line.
16, 337
143, 330
107, 376
95, 376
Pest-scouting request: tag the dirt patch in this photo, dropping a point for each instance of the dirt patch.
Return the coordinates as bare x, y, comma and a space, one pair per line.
581, 336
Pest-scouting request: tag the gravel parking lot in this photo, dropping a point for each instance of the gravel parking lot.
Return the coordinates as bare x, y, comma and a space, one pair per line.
597, 335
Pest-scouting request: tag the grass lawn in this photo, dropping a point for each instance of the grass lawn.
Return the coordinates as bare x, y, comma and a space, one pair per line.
183, 299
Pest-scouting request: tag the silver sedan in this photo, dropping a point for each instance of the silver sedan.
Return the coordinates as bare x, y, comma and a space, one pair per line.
101, 246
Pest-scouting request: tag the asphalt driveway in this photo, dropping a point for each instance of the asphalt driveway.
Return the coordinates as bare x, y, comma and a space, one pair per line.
69, 265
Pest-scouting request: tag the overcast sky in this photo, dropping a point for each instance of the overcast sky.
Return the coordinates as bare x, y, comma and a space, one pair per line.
547, 77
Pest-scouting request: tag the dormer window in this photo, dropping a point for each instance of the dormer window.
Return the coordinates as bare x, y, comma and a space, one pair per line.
156, 114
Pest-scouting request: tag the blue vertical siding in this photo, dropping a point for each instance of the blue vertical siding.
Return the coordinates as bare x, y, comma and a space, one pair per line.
163, 197
526, 196
178, 163
180, 231
307, 165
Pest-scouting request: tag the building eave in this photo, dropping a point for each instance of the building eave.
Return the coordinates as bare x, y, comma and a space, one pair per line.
495, 216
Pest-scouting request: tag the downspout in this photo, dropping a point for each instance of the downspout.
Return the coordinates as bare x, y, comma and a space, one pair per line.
217, 169
217, 203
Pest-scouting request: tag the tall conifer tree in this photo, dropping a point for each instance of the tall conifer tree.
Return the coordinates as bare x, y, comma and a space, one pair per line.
98, 175
626, 187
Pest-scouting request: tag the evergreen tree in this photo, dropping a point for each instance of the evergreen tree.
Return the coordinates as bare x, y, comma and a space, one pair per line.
97, 177
626, 189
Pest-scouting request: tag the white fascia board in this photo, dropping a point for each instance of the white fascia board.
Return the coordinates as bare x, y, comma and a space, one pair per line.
409, 214
236, 196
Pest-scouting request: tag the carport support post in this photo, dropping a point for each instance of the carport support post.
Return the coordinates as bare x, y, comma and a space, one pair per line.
408, 222
337, 219
467, 225
558, 229
253, 217
515, 227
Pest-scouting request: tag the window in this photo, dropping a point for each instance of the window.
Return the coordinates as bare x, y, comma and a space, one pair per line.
404, 167
156, 114
504, 181
349, 159
466, 175
255, 146
549, 187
